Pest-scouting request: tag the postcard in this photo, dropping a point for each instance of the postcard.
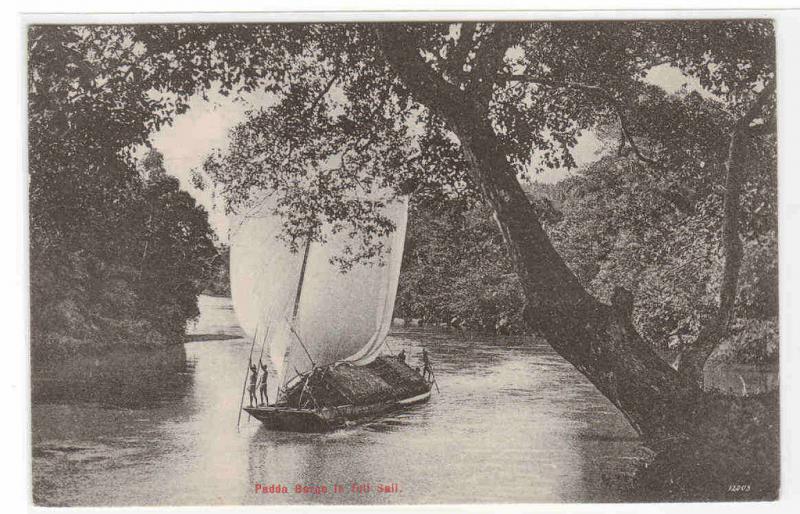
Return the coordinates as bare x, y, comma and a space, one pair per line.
466, 261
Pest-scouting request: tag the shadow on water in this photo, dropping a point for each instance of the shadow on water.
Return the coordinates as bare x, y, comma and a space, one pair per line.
92, 416
415, 416
125, 378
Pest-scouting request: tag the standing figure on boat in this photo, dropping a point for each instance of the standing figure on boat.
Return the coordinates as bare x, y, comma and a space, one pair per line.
402, 355
262, 388
426, 365
252, 387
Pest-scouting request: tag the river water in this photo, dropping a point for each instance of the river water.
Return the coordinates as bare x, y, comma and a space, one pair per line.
513, 423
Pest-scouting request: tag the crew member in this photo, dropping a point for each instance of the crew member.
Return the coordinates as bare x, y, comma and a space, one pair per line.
253, 381
426, 365
402, 355
262, 389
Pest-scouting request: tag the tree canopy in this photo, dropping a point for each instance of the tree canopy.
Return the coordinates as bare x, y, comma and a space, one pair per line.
341, 111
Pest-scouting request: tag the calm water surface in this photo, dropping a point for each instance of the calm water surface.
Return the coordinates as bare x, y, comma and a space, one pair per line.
513, 423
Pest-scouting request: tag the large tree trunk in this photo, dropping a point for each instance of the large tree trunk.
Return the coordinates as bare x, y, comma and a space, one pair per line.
598, 339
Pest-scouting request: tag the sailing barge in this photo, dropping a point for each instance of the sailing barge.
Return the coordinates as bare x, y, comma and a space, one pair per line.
332, 338
336, 396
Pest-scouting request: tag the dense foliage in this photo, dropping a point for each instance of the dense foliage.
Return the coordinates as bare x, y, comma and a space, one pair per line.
117, 250
456, 269
134, 283
615, 223
340, 124
670, 257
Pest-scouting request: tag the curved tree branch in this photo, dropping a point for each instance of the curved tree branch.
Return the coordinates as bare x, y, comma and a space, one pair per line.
454, 65
693, 360
488, 60
430, 88
597, 90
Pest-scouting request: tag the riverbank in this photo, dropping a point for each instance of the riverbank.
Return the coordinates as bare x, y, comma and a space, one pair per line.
125, 372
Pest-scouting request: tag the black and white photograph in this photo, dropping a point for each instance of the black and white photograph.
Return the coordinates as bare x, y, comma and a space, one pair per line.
472, 260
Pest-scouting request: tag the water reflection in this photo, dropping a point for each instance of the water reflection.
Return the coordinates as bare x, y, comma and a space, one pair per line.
129, 379
513, 422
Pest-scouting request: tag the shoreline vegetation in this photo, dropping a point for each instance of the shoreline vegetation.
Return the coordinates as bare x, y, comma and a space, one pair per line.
137, 289
456, 272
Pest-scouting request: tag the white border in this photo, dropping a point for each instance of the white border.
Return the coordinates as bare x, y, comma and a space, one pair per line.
15, 474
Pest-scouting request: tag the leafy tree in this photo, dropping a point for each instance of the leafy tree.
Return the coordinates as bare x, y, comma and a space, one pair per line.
115, 257
498, 93
177, 251
455, 267
622, 226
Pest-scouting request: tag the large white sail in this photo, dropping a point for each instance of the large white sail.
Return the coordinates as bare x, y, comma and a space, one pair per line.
263, 271
340, 316
263, 275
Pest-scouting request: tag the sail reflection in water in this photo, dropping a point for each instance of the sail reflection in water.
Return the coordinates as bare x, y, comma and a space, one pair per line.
340, 316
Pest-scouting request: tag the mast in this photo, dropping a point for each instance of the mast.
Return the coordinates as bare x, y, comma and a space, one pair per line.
297, 300
300, 280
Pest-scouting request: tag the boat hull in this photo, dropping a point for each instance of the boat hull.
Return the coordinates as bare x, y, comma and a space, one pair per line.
328, 418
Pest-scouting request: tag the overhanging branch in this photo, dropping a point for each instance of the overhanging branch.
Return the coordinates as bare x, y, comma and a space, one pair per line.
597, 90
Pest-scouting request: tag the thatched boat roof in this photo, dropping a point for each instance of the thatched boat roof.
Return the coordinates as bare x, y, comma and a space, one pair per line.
387, 378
